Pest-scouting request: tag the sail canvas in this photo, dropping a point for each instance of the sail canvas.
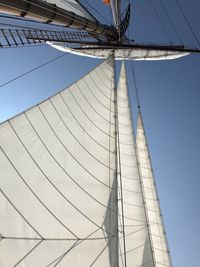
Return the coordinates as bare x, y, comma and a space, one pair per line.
71, 188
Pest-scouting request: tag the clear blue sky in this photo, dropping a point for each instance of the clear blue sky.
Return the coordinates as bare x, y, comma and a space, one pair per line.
170, 100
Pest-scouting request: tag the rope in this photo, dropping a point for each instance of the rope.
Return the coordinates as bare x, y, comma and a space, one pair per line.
136, 88
30, 71
161, 22
188, 23
171, 22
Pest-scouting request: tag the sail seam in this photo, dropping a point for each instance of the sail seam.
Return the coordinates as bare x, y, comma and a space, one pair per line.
21, 215
63, 169
61, 257
36, 196
46, 177
107, 166
28, 253
100, 103
87, 115
96, 259
69, 176
96, 86
81, 125
71, 156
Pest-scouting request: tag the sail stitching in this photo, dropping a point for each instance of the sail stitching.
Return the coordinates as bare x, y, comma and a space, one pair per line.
61, 257
82, 126
97, 86
59, 165
87, 115
36, 196
28, 253
21, 215
72, 157
99, 255
63, 170
107, 166
46, 177
97, 99
76, 244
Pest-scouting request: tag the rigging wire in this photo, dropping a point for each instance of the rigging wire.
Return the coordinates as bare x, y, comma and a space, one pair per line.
136, 88
171, 22
161, 22
187, 21
30, 71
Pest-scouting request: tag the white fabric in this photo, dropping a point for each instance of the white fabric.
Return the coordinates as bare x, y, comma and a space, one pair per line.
58, 198
156, 228
61, 192
136, 235
71, 5
121, 54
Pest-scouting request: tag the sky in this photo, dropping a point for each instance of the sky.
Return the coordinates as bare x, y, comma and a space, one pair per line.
170, 102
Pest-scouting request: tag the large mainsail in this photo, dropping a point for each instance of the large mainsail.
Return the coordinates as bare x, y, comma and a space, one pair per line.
74, 187
58, 181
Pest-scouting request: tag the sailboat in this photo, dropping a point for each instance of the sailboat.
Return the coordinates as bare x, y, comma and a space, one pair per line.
77, 185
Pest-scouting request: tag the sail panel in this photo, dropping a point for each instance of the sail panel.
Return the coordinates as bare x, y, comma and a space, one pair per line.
73, 6
137, 244
122, 54
156, 228
58, 178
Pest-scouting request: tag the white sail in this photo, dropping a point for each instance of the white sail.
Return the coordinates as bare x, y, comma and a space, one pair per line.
153, 213
58, 196
75, 189
137, 245
72, 6
121, 54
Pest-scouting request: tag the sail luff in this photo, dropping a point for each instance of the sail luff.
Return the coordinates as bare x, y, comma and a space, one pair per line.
156, 225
